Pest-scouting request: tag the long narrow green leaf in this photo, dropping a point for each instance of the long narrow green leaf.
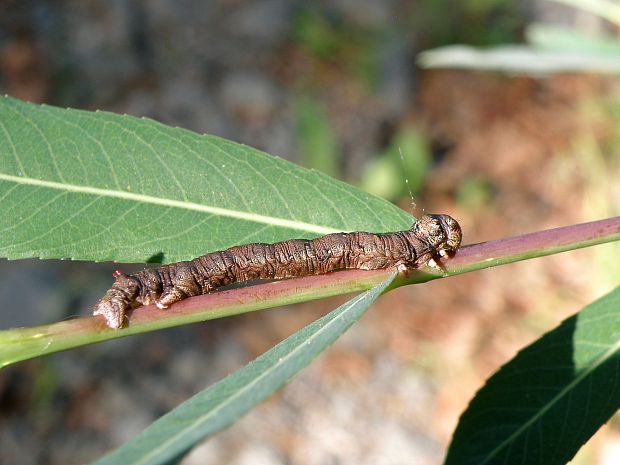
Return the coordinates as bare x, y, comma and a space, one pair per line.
606, 9
571, 40
551, 398
221, 404
518, 59
100, 186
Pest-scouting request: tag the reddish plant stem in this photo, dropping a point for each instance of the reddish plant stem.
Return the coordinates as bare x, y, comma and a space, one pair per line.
517, 248
22, 343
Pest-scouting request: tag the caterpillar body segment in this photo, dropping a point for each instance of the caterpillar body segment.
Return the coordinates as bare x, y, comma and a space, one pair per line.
431, 237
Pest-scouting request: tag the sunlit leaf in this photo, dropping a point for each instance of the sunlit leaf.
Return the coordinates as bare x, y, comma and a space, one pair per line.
100, 186
543, 405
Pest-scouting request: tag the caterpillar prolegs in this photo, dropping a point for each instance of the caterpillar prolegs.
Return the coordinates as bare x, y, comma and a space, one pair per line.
430, 237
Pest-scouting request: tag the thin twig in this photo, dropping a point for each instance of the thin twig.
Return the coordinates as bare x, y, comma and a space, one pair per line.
23, 343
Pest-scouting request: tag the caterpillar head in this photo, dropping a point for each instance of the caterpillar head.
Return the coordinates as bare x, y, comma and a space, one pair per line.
441, 232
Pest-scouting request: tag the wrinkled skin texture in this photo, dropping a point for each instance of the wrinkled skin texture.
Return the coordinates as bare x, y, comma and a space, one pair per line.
430, 237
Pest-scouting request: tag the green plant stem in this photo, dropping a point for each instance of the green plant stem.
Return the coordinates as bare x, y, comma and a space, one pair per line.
523, 247
25, 343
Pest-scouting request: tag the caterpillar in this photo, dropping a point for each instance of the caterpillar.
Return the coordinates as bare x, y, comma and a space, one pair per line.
431, 237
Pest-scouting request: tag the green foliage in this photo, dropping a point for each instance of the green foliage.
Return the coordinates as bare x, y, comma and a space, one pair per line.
474, 192
545, 403
316, 34
476, 22
99, 186
351, 48
318, 147
401, 168
606, 9
549, 49
565, 39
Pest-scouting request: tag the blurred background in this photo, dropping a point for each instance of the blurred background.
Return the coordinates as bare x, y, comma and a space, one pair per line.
514, 130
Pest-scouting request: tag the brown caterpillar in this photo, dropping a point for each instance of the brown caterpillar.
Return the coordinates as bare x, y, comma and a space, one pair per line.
430, 237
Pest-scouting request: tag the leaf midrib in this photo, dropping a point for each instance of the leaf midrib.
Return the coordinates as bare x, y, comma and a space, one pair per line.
237, 214
249, 386
601, 359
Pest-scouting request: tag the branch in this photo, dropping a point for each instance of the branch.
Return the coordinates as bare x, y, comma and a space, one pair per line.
25, 343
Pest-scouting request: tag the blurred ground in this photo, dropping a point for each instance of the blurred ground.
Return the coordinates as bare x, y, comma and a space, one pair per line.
503, 154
